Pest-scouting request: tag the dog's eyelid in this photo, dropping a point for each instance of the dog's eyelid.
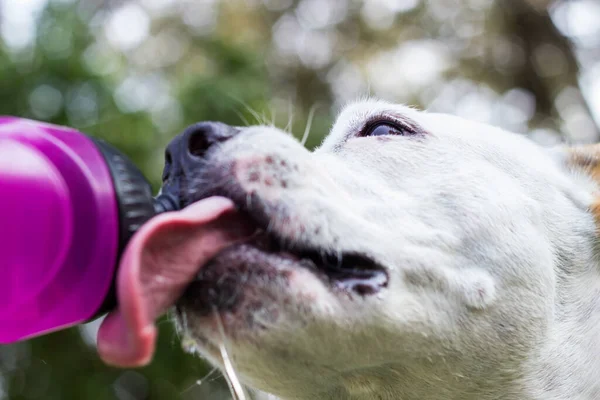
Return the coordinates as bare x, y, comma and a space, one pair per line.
401, 124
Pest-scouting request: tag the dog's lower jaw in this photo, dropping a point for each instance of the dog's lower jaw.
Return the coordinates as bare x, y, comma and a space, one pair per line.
533, 376
393, 382
451, 378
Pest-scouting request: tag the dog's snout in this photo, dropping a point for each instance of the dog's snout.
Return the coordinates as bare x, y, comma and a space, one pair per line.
202, 136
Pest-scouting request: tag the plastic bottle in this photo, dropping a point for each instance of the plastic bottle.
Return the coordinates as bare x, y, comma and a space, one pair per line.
69, 204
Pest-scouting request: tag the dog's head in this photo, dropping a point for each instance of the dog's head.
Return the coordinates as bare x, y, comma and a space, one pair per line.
408, 246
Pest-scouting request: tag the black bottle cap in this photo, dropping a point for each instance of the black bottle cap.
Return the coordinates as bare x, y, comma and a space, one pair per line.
135, 205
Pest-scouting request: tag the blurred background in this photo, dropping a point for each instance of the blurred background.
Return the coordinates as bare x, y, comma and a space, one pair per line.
137, 72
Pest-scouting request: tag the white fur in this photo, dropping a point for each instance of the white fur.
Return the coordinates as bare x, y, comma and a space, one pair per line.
494, 290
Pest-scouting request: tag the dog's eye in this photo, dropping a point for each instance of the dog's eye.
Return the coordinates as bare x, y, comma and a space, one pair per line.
386, 128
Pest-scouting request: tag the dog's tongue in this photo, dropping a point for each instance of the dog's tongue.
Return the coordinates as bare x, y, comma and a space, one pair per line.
161, 260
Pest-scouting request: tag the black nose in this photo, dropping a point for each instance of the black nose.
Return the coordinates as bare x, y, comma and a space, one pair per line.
186, 153
190, 147
200, 137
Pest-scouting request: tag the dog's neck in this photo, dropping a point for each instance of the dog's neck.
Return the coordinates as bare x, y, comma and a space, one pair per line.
567, 364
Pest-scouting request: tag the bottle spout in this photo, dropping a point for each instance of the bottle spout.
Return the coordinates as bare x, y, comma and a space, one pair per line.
166, 202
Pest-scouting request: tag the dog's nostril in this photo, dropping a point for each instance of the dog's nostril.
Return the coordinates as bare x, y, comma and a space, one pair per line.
198, 142
197, 139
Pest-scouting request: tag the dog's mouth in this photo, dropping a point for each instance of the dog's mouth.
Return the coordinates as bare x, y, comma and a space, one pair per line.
348, 271
167, 254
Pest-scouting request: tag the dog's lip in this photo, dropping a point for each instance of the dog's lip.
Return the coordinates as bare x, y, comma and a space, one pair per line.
350, 271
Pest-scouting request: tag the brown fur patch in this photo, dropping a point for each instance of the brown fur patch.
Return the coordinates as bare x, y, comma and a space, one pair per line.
587, 159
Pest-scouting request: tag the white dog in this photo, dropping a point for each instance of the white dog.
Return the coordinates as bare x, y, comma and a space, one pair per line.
412, 256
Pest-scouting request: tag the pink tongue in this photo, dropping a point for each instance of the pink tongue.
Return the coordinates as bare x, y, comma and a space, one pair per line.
162, 258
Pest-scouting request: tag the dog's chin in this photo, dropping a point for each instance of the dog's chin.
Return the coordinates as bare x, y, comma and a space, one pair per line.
238, 291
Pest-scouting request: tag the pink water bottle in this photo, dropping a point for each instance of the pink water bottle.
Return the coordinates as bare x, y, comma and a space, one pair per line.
68, 206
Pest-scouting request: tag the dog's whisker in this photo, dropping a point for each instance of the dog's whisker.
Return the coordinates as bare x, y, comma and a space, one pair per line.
235, 386
288, 128
209, 374
242, 118
254, 113
264, 119
200, 381
273, 115
309, 122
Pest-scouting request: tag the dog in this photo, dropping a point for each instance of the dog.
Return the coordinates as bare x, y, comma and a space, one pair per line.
412, 255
